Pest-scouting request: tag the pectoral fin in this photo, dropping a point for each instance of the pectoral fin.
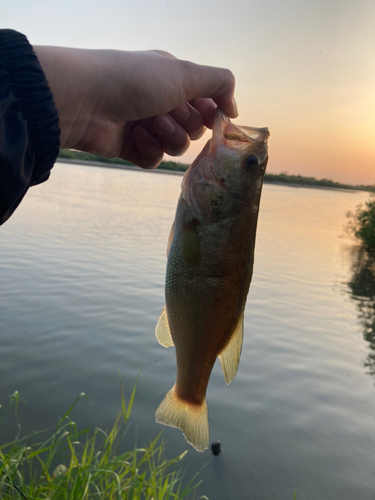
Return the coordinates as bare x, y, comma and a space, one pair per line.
230, 357
162, 331
170, 239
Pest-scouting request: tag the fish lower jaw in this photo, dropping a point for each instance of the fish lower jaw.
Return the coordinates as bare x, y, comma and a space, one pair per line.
190, 418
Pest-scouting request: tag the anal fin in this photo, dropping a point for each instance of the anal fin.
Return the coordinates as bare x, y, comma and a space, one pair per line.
230, 357
162, 331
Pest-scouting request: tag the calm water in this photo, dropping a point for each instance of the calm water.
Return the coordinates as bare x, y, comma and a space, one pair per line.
82, 286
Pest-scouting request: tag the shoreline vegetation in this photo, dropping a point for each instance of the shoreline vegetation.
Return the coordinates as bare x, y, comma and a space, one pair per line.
92, 463
73, 464
180, 168
361, 224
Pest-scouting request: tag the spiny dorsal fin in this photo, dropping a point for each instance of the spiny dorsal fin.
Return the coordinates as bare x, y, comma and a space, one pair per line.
170, 238
230, 357
162, 331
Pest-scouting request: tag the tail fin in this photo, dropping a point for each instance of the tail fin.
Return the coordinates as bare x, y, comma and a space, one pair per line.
191, 419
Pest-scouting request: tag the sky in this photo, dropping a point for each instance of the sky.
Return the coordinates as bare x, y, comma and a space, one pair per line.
303, 68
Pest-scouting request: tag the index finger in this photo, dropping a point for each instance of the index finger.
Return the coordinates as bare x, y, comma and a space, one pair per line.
215, 83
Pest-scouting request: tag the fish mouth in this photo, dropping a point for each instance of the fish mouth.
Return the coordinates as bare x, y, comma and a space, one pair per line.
235, 139
225, 129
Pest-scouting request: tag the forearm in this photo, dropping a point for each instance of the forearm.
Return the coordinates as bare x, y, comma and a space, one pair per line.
70, 74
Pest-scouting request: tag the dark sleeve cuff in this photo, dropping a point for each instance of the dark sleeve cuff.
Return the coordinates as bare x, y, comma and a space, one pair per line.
29, 126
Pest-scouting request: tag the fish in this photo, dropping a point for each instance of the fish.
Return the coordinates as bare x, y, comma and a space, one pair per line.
209, 269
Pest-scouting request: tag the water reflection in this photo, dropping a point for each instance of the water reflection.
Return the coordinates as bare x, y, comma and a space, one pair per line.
362, 290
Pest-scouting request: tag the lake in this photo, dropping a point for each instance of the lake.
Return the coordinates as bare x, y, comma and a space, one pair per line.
82, 266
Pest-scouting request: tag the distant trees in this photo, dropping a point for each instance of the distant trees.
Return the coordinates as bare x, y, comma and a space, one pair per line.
70, 154
282, 178
300, 180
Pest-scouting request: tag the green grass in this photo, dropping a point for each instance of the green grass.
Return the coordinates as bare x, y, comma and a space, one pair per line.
88, 464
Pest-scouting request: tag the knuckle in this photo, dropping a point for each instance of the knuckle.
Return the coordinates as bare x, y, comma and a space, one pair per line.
164, 53
178, 150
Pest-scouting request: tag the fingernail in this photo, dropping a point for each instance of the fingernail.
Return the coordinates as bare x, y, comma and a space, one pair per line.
182, 113
165, 125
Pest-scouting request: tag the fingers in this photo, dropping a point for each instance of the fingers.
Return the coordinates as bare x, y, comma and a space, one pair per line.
146, 151
177, 128
215, 83
176, 109
190, 119
170, 133
150, 142
175, 137
206, 108
159, 83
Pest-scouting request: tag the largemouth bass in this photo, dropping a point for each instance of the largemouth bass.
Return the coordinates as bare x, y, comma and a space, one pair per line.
210, 265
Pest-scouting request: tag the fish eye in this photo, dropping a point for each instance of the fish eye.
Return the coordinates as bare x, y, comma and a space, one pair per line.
251, 161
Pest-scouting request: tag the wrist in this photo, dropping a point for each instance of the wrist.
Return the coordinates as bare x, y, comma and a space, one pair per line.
51, 60
69, 76
23, 72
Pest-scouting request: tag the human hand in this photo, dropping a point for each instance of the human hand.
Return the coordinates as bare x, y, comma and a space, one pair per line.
133, 105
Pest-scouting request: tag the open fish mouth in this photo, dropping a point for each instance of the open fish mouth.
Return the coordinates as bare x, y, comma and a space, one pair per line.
225, 129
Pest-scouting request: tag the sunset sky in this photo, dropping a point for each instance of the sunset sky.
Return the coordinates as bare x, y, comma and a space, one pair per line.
305, 69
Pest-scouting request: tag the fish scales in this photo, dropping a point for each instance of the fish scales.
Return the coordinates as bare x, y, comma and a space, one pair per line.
210, 264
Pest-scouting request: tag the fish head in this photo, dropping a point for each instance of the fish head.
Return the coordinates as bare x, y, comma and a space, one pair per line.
228, 173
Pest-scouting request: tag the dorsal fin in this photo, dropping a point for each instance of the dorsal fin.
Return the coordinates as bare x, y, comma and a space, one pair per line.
162, 331
230, 357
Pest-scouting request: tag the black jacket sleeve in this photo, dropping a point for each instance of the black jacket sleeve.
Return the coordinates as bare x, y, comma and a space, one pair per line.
29, 126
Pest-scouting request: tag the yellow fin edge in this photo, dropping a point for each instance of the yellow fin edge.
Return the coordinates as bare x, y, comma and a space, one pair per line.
191, 419
162, 331
230, 357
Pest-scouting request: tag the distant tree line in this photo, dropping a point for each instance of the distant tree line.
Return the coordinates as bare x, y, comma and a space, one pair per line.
311, 181
69, 154
283, 178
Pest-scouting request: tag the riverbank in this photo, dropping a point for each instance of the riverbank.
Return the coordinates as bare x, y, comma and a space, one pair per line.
120, 166
72, 463
296, 181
